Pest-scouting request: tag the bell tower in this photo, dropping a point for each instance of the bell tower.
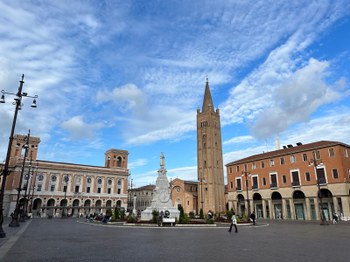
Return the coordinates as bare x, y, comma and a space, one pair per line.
211, 188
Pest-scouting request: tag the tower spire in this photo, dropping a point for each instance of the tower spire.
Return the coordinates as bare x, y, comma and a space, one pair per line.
207, 101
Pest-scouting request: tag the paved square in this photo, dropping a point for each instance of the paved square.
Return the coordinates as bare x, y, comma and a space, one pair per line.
73, 240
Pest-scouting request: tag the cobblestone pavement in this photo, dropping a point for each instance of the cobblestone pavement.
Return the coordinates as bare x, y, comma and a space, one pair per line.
74, 240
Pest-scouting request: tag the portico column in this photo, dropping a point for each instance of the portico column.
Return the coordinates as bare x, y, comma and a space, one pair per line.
308, 209
317, 208
264, 208
345, 206
284, 209
336, 206
272, 216
292, 209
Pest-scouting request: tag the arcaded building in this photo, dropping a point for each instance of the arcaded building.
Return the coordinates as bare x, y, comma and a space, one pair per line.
51, 188
299, 182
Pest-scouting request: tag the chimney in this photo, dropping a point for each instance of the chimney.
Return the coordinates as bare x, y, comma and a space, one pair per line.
277, 143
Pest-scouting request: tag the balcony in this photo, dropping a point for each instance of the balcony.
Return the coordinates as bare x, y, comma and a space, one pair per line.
321, 181
273, 185
295, 184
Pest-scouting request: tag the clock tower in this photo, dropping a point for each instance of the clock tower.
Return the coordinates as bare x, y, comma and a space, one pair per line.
211, 187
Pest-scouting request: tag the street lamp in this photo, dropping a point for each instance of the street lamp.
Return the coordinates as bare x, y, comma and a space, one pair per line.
27, 191
65, 179
246, 174
18, 103
18, 212
35, 172
316, 162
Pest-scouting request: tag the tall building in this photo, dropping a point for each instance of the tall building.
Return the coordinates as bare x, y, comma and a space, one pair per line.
50, 188
302, 182
209, 157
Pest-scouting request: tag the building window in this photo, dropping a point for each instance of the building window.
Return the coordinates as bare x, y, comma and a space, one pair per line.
119, 182
254, 165
41, 178
295, 178
331, 152
346, 152
292, 159
109, 191
88, 189
99, 181
231, 184
282, 160
264, 181
335, 173
321, 176
52, 189
119, 191
237, 168
64, 188
262, 164
304, 157
89, 180
238, 184
284, 179
53, 178
230, 169
119, 161
255, 182
76, 190
317, 154
307, 176
39, 187
273, 180
99, 190
272, 162
109, 182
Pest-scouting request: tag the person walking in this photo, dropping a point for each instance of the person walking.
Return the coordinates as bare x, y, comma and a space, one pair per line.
252, 217
233, 223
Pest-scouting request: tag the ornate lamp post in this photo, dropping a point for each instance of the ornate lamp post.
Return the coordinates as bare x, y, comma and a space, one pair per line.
65, 179
18, 211
18, 103
27, 190
246, 174
316, 162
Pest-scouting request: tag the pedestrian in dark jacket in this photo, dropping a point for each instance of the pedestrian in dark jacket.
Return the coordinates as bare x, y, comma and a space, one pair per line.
252, 217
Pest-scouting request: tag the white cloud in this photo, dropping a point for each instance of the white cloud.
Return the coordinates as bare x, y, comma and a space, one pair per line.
78, 129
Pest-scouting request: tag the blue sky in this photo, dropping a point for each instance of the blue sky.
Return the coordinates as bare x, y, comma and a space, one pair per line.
131, 75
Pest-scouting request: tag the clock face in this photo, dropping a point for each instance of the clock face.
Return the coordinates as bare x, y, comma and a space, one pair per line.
163, 196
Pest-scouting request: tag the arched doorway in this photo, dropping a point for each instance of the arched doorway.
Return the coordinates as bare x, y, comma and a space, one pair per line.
75, 210
257, 205
98, 206
299, 204
51, 210
87, 207
240, 205
119, 203
277, 205
36, 208
327, 206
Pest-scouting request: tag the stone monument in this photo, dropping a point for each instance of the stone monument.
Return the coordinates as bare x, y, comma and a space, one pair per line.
161, 196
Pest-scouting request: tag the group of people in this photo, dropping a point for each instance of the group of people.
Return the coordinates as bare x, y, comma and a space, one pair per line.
234, 221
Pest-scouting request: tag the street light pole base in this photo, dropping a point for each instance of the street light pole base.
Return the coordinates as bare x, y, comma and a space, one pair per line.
14, 222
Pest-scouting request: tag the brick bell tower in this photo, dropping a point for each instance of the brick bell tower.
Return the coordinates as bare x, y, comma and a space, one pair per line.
211, 187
